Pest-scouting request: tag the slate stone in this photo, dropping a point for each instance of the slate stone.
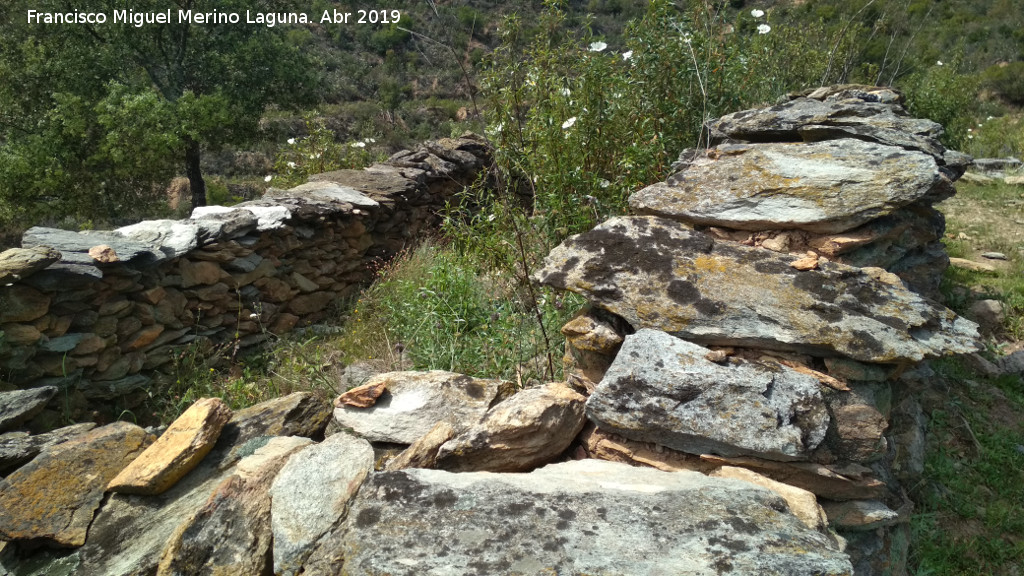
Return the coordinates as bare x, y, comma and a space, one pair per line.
178, 450
312, 493
19, 406
21, 303
860, 514
812, 119
53, 498
74, 246
327, 191
231, 533
18, 263
530, 429
820, 187
17, 448
414, 402
582, 517
656, 273
172, 237
661, 389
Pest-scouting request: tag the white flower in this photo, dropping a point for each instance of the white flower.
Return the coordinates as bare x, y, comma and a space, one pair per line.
938, 63
763, 28
371, 140
568, 123
604, 183
979, 125
254, 316
359, 144
970, 136
989, 118
971, 129
687, 37
291, 164
597, 46
627, 55
268, 178
757, 13
565, 91
492, 217
291, 140
312, 157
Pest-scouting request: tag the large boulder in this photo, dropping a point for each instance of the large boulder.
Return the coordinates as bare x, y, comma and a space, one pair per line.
662, 389
582, 517
656, 273
821, 187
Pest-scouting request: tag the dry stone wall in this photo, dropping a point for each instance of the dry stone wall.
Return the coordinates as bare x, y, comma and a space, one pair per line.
101, 314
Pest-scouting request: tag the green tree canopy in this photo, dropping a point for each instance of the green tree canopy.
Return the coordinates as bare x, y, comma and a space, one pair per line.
95, 118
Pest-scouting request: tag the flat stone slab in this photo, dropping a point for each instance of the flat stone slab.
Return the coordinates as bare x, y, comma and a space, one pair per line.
53, 498
656, 273
327, 191
17, 448
814, 119
74, 246
821, 187
311, 494
172, 237
178, 450
413, 402
18, 263
19, 406
662, 389
582, 517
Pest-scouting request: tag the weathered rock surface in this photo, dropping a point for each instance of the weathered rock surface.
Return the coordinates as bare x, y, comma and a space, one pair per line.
19, 406
860, 514
850, 482
18, 263
423, 452
297, 414
53, 498
172, 237
578, 517
17, 448
74, 246
178, 450
415, 401
655, 273
802, 503
813, 119
230, 533
311, 494
662, 389
525, 431
822, 187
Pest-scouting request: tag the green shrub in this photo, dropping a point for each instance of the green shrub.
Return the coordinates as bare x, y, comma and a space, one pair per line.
942, 93
1006, 81
438, 309
317, 153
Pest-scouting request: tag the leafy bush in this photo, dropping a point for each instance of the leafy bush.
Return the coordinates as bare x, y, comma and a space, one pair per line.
1007, 81
997, 138
941, 93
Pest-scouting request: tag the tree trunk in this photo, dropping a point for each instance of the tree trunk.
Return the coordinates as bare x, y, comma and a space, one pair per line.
194, 174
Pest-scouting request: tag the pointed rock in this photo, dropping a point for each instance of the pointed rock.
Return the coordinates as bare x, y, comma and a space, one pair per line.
583, 517
178, 450
414, 402
656, 273
661, 389
824, 187
528, 430
53, 498
312, 493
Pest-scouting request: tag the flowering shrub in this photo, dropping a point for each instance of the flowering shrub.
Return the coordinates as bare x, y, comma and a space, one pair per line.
318, 152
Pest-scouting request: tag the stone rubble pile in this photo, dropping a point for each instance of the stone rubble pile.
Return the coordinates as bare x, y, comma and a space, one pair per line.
103, 315
732, 405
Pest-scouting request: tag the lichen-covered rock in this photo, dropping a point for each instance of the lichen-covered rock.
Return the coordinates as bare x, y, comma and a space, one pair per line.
172, 237
311, 494
414, 402
297, 414
860, 514
662, 389
583, 517
816, 119
821, 187
16, 448
656, 273
178, 450
53, 498
525, 431
802, 503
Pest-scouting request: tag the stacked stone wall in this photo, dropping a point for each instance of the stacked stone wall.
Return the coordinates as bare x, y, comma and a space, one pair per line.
103, 314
